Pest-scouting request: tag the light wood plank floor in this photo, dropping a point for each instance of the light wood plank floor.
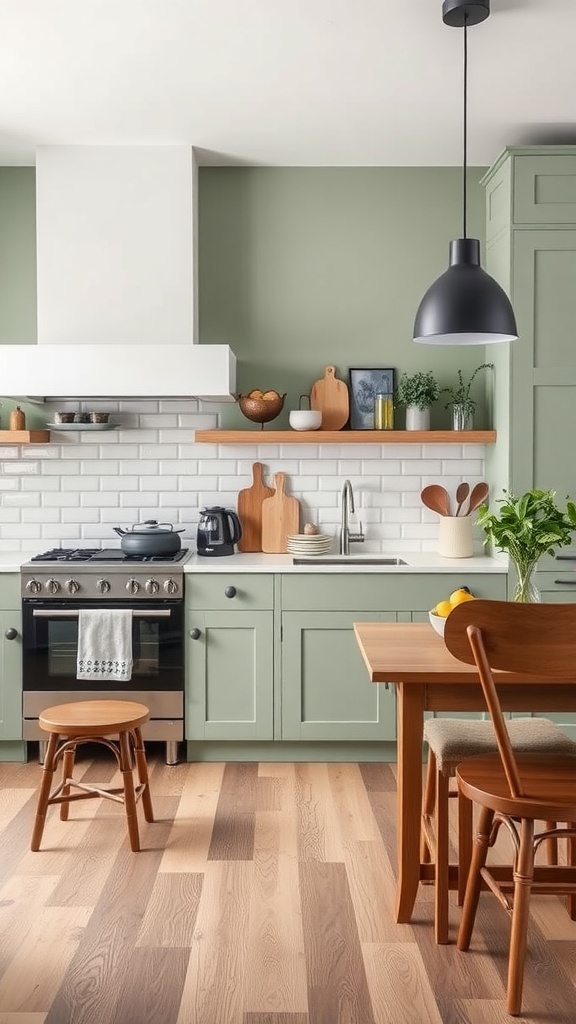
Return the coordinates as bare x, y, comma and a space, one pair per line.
263, 895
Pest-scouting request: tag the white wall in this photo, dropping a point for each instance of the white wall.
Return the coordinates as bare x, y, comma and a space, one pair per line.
74, 490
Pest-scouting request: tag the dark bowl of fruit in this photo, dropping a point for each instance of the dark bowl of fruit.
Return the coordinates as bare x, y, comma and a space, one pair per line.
261, 406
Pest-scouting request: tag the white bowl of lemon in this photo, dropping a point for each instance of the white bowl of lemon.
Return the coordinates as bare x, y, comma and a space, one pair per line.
441, 611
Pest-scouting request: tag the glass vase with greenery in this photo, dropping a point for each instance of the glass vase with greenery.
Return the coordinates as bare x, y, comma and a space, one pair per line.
461, 401
528, 527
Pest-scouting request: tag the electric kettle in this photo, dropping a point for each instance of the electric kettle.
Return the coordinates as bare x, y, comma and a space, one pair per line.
218, 531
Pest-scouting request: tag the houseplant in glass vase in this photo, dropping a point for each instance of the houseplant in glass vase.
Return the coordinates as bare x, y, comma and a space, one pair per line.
417, 392
528, 527
462, 404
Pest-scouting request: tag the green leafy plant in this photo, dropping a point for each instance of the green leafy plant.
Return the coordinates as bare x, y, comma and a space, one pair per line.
460, 392
419, 389
528, 527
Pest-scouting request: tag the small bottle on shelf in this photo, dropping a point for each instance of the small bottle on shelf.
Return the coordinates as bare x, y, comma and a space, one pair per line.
383, 411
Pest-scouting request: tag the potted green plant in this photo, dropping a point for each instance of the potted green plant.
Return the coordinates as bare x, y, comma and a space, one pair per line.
417, 392
528, 527
463, 405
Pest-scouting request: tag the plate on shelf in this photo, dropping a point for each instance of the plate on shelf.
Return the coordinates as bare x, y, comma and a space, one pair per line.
82, 426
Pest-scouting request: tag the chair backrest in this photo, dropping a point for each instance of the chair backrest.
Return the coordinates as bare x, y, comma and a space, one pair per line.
538, 640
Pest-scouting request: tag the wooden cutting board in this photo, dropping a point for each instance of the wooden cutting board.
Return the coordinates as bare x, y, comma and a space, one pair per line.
280, 516
330, 397
250, 510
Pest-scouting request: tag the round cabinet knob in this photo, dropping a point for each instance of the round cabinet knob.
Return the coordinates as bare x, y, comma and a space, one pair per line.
170, 586
195, 634
34, 586
230, 591
152, 586
11, 633
52, 586
72, 586
132, 586
103, 586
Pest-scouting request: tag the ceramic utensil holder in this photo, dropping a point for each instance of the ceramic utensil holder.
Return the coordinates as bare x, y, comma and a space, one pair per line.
455, 537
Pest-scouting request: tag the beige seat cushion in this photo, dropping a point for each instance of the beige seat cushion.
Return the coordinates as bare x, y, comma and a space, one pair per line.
454, 739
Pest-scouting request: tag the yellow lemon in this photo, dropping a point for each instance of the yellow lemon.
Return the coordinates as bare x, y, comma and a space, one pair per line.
443, 608
459, 596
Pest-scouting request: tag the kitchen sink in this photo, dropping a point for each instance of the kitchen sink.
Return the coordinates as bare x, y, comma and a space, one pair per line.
348, 560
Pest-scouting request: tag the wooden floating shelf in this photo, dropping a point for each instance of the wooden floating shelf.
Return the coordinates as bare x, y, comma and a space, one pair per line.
24, 436
346, 436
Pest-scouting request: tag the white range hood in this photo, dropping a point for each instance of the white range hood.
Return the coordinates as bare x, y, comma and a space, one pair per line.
117, 294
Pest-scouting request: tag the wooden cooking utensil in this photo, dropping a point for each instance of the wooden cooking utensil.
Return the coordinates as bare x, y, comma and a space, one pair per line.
330, 397
280, 516
462, 492
436, 498
250, 510
479, 494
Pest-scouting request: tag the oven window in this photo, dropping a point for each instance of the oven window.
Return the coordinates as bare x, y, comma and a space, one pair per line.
51, 647
62, 644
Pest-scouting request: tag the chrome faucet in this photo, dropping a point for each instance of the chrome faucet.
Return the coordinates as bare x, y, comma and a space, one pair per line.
348, 507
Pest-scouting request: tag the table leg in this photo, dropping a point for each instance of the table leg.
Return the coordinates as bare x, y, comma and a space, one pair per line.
410, 717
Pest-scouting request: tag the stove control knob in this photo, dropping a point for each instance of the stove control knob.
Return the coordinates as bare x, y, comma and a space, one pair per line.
171, 587
152, 586
103, 586
132, 586
52, 586
72, 586
34, 586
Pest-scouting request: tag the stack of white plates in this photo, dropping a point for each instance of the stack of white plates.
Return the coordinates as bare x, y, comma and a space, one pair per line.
308, 543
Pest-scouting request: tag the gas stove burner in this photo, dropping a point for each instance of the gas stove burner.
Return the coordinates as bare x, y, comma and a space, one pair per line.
114, 555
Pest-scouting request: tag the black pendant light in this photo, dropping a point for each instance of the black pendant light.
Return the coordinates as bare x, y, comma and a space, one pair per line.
465, 306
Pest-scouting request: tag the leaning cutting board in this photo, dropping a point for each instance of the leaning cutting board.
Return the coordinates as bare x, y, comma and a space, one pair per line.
250, 510
330, 397
280, 516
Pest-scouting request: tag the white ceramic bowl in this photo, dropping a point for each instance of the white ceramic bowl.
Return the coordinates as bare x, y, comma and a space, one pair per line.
438, 622
305, 419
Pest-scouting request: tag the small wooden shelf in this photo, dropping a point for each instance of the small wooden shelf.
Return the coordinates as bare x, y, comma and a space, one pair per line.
346, 436
24, 436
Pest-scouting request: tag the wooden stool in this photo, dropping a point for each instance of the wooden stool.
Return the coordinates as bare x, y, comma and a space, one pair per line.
94, 721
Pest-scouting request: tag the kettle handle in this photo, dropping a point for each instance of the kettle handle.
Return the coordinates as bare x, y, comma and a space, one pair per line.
120, 531
236, 525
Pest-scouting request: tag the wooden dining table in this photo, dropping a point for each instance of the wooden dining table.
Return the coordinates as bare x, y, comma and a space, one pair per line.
413, 657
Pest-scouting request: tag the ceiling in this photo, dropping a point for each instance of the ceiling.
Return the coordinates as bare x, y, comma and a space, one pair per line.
285, 82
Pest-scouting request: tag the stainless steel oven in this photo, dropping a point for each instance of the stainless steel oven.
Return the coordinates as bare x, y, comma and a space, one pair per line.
53, 592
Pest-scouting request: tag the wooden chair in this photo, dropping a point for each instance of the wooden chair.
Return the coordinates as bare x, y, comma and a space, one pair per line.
94, 721
450, 741
516, 790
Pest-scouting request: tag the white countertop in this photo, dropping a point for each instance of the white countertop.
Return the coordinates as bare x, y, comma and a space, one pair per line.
418, 561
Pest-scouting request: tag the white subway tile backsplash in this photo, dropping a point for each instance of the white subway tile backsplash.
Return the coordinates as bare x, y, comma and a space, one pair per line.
152, 467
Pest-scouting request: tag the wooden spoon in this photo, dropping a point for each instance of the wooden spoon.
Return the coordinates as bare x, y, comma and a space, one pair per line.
479, 494
462, 492
436, 498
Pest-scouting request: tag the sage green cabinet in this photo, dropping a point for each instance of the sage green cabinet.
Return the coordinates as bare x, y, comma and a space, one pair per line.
275, 657
229, 657
531, 251
326, 693
10, 658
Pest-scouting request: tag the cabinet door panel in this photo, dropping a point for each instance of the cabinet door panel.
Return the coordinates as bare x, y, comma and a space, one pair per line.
545, 189
11, 677
326, 691
230, 676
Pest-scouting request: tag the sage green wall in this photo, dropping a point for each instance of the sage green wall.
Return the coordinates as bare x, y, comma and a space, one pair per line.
301, 267
17, 255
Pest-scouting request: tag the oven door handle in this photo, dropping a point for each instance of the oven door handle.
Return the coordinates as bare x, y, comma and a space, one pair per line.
72, 613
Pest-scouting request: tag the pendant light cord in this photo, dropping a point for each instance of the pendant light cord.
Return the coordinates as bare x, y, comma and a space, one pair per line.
465, 121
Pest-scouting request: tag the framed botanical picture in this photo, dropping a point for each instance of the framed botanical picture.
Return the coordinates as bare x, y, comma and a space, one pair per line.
365, 383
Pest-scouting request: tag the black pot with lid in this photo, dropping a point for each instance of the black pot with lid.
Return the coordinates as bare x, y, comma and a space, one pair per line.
150, 539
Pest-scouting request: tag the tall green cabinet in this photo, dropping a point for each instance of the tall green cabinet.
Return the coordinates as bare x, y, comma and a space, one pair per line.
531, 251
